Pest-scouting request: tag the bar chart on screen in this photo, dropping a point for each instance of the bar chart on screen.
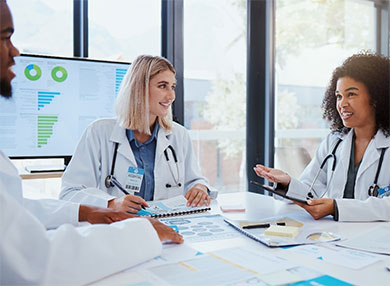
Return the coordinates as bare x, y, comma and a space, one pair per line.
45, 98
45, 126
54, 100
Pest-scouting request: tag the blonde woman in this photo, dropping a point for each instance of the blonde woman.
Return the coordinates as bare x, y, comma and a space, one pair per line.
140, 156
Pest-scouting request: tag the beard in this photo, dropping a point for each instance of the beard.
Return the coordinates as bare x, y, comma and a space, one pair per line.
5, 88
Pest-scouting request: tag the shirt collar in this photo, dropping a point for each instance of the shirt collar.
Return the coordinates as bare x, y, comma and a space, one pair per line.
380, 140
131, 136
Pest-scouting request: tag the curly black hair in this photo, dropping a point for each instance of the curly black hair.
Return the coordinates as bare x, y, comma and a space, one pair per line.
372, 70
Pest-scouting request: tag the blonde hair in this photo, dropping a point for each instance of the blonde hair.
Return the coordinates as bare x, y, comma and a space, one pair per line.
132, 104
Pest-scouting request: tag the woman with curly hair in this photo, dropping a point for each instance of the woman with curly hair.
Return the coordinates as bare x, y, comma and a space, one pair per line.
349, 176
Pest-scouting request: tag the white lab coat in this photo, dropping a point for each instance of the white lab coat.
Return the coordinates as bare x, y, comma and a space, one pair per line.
84, 178
363, 207
52, 213
30, 255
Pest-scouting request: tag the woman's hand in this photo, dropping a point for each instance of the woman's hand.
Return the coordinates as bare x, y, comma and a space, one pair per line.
128, 203
197, 196
166, 233
101, 215
273, 175
318, 208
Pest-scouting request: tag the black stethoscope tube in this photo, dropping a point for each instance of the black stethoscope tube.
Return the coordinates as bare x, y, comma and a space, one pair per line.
178, 184
111, 181
372, 190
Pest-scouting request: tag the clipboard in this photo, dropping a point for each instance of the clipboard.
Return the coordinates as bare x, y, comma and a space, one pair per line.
278, 192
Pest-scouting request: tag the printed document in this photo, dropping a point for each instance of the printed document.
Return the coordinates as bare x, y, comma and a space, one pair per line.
234, 266
345, 257
376, 240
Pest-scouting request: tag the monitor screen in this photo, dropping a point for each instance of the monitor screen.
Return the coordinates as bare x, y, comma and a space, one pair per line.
54, 99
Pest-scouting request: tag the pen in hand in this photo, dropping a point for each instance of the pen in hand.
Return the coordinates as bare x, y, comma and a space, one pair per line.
119, 186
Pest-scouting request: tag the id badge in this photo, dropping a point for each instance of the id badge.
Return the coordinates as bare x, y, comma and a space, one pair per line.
384, 192
134, 179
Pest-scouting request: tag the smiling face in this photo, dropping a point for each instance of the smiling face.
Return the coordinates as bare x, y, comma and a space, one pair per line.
7, 50
353, 104
161, 94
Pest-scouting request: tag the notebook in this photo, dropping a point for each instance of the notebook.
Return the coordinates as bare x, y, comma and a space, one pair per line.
305, 235
175, 206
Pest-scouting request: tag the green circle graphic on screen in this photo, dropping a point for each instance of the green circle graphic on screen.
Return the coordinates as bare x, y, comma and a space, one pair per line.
59, 74
32, 72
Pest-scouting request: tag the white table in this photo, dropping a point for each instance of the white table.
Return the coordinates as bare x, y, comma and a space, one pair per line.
261, 207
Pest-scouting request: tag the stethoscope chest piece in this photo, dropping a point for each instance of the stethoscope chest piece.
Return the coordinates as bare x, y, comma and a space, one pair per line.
107, 182
373, 190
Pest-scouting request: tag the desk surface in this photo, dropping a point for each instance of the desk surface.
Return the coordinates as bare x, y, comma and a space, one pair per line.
44, 175
49, 164
262, 207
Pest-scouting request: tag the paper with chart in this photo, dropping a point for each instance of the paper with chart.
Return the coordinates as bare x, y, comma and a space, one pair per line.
345, 257
221, 268
231, 267
170, 207
172, 253
202, 228
376, 240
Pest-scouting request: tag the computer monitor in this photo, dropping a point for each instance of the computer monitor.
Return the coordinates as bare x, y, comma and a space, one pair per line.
54, 99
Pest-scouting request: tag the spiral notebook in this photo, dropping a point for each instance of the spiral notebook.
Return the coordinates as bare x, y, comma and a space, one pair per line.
306, 235
170, 207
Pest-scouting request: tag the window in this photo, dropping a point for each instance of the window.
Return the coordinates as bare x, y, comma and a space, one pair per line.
123, 30
43, 26
215, 88
313, 37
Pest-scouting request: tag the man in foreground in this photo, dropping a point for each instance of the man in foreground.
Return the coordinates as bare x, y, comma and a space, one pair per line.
29, 254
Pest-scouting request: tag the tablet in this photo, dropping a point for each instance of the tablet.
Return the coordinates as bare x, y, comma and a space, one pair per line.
278, 192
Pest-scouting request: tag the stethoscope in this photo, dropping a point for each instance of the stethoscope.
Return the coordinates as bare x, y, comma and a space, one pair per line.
111, 181
176, 180
373, 190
